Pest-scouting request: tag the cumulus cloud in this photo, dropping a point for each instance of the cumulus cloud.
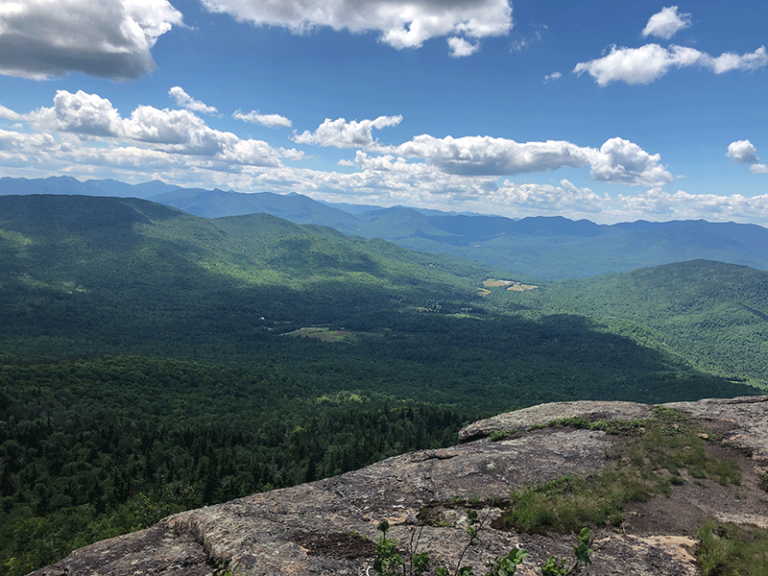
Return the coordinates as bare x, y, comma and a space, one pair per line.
90, 116
493, 156
547, 198
729, 61
81, 113
271, 120
650, 62
186, 101
637, 65
342, 134
18, 141
292, 154
743, 152
401, 23
393, 178
552, 77
666, 23
618, 161
108, 38
658, 204
460, 47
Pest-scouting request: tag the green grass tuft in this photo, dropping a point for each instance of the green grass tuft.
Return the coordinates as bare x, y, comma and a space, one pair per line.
651, 455
727, 549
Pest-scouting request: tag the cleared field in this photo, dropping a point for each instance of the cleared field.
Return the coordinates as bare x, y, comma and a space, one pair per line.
509, 285
320, 333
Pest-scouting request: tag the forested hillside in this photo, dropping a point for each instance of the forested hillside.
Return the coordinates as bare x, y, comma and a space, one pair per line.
153, 361
711, 313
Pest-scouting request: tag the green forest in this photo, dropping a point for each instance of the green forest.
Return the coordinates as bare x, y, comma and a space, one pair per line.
147, 364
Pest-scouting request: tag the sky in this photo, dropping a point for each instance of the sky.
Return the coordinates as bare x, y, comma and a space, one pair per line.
604, 110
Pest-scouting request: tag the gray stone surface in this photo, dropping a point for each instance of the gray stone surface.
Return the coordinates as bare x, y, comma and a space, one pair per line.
524, 419
303, 530
748, 416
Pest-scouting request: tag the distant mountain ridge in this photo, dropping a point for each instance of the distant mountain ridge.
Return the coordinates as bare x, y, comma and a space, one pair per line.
537, 248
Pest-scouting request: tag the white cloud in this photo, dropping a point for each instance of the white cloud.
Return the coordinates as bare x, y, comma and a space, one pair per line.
636, 65
667, 23
20, 142
460, 47
81, 113
108, 38
391, 179
547, 198
9, 114
271, 120
657, 204
292, 154
401, 23
476, 155
552, 77
730, 61
743, 152
650, 62
90, 116
343, 134
186, 101
618, 161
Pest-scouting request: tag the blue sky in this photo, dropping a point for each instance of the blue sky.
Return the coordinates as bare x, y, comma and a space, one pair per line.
610, 111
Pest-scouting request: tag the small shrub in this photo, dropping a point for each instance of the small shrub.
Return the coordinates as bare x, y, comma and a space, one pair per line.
388, 561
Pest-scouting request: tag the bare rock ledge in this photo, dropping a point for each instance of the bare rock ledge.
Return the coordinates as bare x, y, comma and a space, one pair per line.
309, 529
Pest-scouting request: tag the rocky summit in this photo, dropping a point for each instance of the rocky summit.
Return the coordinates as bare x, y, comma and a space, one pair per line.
330, 526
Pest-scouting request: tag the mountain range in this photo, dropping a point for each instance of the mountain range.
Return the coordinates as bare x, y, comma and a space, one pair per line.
534, 248
154, 361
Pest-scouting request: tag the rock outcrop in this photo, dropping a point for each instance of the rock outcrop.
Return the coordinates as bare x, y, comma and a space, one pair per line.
320, 528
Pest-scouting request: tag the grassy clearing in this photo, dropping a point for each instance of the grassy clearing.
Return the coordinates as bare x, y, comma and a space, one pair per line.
513, 285
323, 334
494, 283
651, 456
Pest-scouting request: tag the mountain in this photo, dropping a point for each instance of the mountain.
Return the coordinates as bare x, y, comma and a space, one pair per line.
294, 207
538, 248
153, 361
535, 248
94, 276
713, 313
141, 253
52, 185
550, 249
554, 478
67, 185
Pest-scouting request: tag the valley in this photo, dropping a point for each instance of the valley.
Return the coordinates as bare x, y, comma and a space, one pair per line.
153, 361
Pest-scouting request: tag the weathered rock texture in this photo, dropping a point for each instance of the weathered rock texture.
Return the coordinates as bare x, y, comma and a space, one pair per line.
311, 529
